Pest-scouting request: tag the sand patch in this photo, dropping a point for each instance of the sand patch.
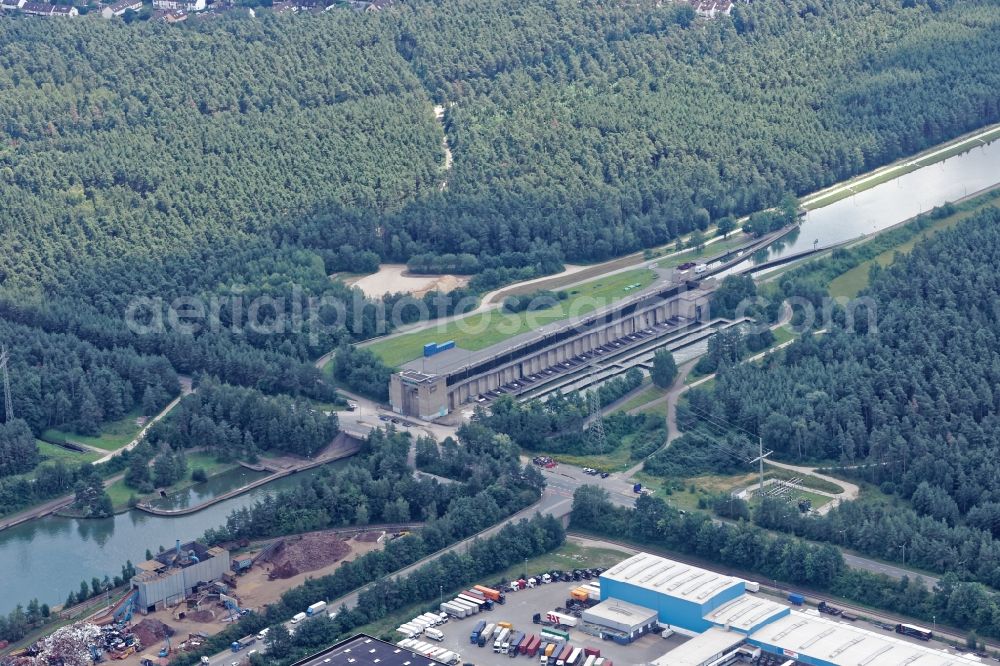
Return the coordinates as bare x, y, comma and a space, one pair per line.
394, 278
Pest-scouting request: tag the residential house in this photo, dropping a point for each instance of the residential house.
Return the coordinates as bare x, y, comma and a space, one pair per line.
119, 8
185, 5
37, 8
64, 10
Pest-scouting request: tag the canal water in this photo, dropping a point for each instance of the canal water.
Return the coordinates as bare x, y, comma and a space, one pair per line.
889, 203
47, 558
203, 492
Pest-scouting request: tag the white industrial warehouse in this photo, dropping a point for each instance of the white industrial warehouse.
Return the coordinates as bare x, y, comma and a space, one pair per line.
728, 624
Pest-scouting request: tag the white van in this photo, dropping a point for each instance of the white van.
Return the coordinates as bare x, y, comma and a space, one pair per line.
298, 617
700, 268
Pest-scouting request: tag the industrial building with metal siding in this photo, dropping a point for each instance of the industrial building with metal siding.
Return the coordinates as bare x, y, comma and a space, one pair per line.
684, 597
730, 625
166, 579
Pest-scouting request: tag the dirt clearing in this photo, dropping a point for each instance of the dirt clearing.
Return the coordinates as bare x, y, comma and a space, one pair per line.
394, 278
151, 632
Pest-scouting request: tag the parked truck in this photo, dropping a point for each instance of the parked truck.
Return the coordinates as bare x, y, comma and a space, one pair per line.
487, 633
531, 649
510, 645
434, 634
500, 639
244, 642
298, 617
561, 618
555, 636
564, 655
476, 630
494, 595
453, 609
469, 599
574, 657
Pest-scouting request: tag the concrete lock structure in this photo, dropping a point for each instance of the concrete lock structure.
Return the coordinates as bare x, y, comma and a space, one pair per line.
435, 385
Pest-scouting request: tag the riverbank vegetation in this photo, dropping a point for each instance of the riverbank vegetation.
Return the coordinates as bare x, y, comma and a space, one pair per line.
378, 486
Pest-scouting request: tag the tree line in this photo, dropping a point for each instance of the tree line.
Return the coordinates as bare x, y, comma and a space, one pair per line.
968, 606
236, 422
379, 487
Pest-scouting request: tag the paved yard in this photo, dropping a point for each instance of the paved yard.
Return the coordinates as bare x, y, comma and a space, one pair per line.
518, 610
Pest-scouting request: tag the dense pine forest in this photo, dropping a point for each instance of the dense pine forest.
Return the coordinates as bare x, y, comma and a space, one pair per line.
250, 157
906, 400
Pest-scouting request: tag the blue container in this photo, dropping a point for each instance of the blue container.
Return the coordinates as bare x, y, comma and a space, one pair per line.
430, 349
796, 598
444, 346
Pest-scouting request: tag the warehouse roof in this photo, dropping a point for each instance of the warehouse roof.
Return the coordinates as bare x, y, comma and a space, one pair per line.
701, 649
746, 612
847, 645
674, 579
363, 650
622, 612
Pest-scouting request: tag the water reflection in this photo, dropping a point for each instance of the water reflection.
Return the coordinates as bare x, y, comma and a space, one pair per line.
889, 203
49, 557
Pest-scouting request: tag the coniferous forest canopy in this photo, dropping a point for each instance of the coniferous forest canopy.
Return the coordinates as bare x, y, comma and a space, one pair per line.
251, 155
906, 400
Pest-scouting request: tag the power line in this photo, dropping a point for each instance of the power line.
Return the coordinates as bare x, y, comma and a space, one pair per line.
8, 404
597, 423
722, 423
718, 420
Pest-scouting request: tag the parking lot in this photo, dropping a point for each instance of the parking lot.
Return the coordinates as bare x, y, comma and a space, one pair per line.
520, 608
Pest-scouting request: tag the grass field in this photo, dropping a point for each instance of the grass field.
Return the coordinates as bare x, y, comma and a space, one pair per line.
114, 435
849, 284
120, 493
645, 395
567, 556
615, 461
735, 240
795, 495
53, 453
806, 480
482, 330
